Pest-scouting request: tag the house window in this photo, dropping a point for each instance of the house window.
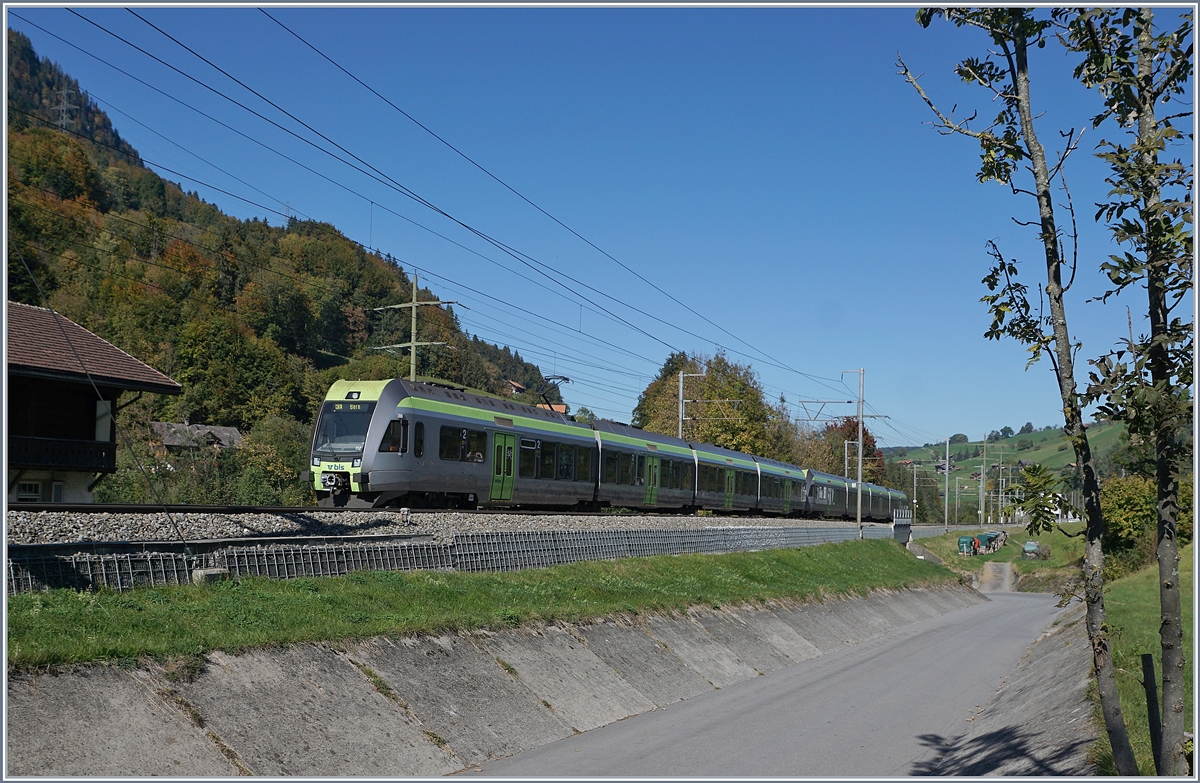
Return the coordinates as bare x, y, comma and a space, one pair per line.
56, 492
29, 492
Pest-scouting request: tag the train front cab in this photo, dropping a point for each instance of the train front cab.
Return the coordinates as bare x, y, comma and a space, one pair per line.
340, 461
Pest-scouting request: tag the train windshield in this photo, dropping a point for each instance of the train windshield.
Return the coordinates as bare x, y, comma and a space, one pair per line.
342, 428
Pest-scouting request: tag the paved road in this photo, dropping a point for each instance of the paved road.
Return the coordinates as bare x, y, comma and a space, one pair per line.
883, 708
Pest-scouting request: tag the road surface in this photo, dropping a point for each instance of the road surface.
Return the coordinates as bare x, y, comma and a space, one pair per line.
886, 707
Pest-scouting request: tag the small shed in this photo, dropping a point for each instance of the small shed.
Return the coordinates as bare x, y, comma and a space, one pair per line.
64, 385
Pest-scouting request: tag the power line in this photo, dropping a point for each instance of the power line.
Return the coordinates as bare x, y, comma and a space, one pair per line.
517, 255
527, 200
386, 179
341, 160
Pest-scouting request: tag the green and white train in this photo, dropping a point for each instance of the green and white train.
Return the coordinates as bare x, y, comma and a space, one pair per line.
420, 445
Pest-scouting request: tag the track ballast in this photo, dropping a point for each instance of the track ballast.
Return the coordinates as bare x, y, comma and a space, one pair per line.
136, 526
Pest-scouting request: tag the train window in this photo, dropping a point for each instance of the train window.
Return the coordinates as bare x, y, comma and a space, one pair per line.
450, 444
639, 473
476, 445
419, 439
396, 437
626, 469
528, 468
689, 476
546, 468
583, 465
342, 428
611, 467
665, 475
462, 445
566, 462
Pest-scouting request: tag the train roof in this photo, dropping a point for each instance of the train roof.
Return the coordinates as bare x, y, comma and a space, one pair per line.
779, 465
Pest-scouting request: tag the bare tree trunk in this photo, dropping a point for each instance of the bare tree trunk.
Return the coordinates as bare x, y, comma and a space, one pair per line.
1171, 757
1093, 563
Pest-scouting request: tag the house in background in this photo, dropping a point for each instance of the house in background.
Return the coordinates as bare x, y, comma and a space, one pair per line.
181, 438
63, 388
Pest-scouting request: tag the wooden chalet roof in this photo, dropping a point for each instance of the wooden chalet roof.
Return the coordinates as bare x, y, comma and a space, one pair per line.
42, 343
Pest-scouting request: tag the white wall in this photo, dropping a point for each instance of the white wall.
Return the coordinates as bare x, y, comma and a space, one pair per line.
75, 485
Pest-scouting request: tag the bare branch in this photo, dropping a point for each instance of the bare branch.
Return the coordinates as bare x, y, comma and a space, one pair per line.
1074, 234
1072, 145
947, 123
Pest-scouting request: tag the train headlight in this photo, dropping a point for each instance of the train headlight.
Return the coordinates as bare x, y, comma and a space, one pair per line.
356, 463
316, 461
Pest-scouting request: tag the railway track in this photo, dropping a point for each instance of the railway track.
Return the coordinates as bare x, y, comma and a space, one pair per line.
148, 508
202, 547
117, 528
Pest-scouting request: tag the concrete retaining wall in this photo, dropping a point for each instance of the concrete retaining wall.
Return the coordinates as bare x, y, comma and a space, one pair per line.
422, 706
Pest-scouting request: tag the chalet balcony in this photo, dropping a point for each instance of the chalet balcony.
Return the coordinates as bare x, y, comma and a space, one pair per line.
62, 454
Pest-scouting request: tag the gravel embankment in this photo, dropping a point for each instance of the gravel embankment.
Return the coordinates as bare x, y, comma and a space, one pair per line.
46, 527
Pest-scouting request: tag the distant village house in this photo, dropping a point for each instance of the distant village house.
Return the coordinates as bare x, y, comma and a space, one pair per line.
181, 438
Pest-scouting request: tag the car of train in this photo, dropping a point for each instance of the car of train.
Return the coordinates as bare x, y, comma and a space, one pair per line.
397, 443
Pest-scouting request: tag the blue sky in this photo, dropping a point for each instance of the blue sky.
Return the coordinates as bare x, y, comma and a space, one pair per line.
766, 167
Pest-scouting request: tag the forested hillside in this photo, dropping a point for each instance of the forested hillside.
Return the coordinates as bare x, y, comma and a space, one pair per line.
255, 320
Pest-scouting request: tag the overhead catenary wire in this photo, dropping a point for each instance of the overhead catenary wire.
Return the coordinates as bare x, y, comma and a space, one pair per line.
528, 201
561, 355
595, 308
564, 355
524, 258
402, 216
377, 174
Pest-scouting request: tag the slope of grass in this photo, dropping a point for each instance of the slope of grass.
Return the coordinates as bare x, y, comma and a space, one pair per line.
65, 626
1132, 608
1050, 448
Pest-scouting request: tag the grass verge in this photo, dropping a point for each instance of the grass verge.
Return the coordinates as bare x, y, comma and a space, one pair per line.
1132, 608
67, 627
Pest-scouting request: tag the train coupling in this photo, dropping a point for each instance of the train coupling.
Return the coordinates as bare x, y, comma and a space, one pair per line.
336, 483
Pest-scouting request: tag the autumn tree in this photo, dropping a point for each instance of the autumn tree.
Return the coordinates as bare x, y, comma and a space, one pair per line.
1012, 155
729, 408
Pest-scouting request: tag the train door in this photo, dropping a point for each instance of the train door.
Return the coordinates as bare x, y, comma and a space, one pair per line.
787, 496
653, 465
502, 466
730, 484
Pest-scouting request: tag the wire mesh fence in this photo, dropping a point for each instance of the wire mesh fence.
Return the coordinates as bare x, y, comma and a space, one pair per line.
492, 551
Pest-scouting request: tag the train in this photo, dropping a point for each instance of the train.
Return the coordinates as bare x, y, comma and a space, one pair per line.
399, 443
